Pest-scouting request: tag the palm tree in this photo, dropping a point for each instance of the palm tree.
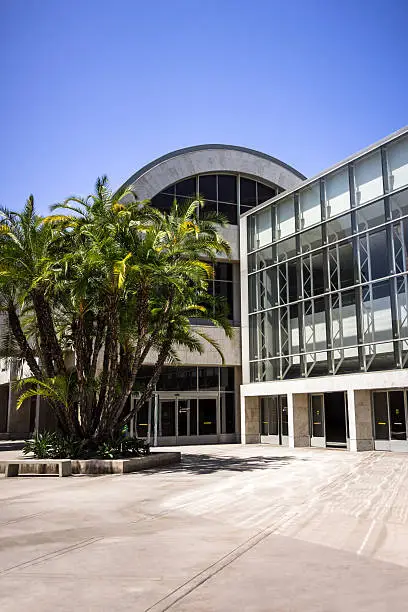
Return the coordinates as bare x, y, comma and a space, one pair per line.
118, 280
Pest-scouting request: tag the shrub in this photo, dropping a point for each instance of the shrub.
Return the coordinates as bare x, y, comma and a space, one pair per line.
54, 445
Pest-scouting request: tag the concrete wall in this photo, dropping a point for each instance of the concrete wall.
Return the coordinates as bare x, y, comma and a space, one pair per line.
185, 163
251, 433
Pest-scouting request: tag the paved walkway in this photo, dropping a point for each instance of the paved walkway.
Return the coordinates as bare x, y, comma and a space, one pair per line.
252, 528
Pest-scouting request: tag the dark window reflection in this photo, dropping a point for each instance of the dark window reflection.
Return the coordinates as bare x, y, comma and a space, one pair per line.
248, 192
265, 193
208, 186
162, 201
229, 211
186, 188
227, 188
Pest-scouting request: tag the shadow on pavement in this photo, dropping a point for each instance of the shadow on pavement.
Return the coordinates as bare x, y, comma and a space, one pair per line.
10, 445
208, 464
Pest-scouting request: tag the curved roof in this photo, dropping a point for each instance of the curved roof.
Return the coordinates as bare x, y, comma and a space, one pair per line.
182, 163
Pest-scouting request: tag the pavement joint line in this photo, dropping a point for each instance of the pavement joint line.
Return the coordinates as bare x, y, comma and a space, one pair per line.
51, 555
196, 581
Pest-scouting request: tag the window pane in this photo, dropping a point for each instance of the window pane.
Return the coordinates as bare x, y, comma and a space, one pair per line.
227, 188
309, 203
207, 186
227, 379
339, 228
399, 204
265, 193
285, 217
229, 211
225, 291
162, 201
378, 254
370, 216
223, 271
229, 402
208, 378
247, 192
209, 207
207, 417
286, 249
186, 188
312, 239
264, 227
337, 192
368, 176
397, 154
264, 258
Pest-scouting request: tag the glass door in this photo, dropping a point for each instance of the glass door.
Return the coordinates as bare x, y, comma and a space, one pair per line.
274, 420
317, 420
390, 422
167, 418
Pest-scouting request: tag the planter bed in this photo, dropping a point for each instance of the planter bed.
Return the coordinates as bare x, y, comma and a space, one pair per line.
105, 466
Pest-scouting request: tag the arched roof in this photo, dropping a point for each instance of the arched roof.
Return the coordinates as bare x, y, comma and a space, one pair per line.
183, 163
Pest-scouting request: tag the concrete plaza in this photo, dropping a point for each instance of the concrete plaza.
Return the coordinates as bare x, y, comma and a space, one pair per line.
251, 528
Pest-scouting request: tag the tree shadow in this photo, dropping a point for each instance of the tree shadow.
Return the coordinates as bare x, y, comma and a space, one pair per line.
209, 464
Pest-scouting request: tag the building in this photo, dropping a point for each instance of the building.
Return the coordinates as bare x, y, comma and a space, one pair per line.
317, 286
197, 401
324, 307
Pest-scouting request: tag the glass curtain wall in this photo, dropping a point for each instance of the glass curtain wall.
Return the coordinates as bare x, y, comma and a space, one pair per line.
328, 285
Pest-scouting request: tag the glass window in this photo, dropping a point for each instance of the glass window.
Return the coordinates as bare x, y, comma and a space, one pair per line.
266, 288
264, 258
162, 201
208, 378
381, 311
227, 188
344, 322
341, 265
337, 192
285, 217
253, 337
311, 239
186, 188
265, 193
251, 233
247, 192
229, 211
368, 177
227, 379
207, 186
178, 379
223, 271
252, 292
209, 207
399, 204
339, 228
225, 290
264, 227
309, 204
370, 216
397, 155
286, 249
378, 254
228, 400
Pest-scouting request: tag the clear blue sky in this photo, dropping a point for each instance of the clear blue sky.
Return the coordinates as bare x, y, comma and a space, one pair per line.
104, 86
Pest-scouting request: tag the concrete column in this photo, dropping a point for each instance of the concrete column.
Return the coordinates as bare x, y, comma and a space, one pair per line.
250, 419
360, 420
298, 419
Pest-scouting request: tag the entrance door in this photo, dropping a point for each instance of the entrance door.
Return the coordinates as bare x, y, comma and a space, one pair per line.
167, 418
317, 428
274, 420
335, 419
390, 423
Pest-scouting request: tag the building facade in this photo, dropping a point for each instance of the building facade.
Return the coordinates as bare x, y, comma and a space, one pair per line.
317, 288
324, 306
